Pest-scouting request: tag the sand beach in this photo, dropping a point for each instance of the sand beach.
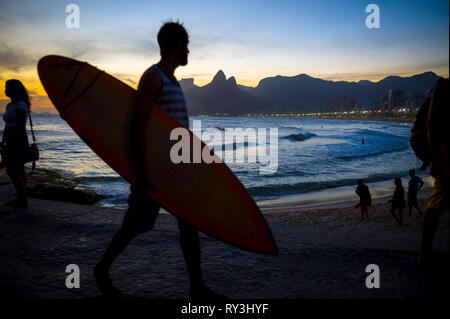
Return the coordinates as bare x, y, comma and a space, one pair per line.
323, 253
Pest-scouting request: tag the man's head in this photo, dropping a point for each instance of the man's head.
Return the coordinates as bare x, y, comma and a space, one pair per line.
173, 40
360, 182
412, 172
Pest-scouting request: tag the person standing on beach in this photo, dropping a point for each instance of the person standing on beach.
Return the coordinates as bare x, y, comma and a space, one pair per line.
439, 143
414, 185
159, 86
15, 140
365, 199
398, 201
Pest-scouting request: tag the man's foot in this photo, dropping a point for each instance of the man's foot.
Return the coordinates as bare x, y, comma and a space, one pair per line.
104, 283
204, 293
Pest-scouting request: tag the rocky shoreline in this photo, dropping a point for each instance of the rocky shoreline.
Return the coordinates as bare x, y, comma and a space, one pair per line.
51, 185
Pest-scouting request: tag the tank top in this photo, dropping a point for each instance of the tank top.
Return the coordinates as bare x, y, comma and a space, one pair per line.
10, 113
171, 99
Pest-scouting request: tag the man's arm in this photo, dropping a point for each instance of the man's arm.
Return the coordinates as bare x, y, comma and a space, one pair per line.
148, 89
421, 183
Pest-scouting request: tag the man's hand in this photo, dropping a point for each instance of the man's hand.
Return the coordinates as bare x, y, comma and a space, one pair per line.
420, 185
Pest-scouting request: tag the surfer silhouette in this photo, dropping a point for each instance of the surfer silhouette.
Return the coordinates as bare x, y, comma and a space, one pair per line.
157, 85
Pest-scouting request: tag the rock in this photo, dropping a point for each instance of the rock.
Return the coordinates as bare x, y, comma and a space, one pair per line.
50, 185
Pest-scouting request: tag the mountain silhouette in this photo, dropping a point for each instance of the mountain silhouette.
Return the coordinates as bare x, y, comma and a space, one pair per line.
293, 93
221, 95
187, 84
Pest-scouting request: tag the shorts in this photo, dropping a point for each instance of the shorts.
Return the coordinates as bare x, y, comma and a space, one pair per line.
412, 200
141, 214
437, 199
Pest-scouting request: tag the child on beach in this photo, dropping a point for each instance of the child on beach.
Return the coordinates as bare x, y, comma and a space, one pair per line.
398, 201
365, 198
414, 185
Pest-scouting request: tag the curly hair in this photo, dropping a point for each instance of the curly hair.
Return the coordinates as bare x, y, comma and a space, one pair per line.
170, 35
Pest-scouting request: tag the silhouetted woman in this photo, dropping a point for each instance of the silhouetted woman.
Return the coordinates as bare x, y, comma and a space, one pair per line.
15, 139
365, 199
398, 201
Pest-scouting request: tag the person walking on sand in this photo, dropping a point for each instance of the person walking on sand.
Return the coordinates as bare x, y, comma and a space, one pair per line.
365, 199
159, 86
415, 184
15, 140
398, 201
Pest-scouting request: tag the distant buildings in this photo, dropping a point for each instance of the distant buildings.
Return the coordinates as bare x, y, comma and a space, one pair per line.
395, 99
383, 103
415, 100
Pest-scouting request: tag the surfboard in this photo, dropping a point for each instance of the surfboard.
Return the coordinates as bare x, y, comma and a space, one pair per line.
99, 108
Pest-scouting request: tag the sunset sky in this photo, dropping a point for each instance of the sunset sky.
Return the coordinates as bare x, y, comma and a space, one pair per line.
248, 39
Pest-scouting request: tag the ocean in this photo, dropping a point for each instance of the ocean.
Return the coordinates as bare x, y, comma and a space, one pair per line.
314, 157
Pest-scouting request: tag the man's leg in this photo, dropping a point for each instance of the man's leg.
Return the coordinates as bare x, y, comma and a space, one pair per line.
413, 203
418, 209
190, 246
410, 203
118, 243
139, 218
